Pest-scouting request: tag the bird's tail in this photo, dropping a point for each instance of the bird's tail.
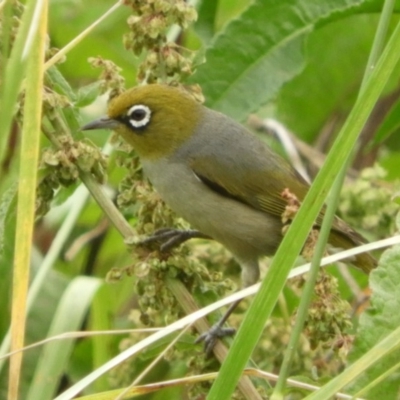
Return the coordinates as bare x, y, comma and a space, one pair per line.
344, 237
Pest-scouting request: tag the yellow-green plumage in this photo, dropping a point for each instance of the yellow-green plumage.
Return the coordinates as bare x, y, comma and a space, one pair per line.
211, 171
171, 124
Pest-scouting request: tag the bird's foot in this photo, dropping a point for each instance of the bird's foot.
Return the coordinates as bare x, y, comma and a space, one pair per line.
168, 238
211, 336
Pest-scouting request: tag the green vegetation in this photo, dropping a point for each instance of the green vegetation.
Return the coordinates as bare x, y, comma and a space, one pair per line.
70, 257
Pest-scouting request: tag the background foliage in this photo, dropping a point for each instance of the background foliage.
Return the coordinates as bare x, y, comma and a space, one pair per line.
300, 62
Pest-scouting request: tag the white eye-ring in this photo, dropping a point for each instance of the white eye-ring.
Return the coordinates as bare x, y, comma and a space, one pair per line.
139, 115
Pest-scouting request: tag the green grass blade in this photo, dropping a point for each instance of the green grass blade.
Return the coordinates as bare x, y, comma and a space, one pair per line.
69, 316
33, 51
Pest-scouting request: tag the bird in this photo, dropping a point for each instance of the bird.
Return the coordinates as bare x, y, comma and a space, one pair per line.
218, 176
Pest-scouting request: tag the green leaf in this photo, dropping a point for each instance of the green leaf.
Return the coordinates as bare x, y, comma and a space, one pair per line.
205, 24
256, 54
390, 125
14, 72
69, 316
39, 319
328, 85
7, 219
68, 18
391, 163
63, 194
377, 322
7, 241
59, 83
71, 114
88, 94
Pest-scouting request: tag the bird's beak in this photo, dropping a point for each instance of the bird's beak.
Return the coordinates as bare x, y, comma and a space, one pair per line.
101, 123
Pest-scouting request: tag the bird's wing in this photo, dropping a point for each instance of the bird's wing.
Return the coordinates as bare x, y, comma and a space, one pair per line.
258, 183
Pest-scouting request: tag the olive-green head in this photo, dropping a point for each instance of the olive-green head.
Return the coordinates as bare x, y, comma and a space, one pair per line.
154, 119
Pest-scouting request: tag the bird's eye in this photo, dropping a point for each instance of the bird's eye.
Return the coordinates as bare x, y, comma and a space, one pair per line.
139, 116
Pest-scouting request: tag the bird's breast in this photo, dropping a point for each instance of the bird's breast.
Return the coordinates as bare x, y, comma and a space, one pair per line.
243, 230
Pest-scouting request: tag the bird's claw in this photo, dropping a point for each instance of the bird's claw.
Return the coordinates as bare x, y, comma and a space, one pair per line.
211, 336
168, 238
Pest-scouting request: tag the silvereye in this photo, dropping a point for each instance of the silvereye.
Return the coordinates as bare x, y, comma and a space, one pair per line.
215, 174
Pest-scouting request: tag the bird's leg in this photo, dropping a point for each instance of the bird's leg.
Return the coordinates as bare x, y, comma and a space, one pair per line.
217, 331
250, 275
168, 238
